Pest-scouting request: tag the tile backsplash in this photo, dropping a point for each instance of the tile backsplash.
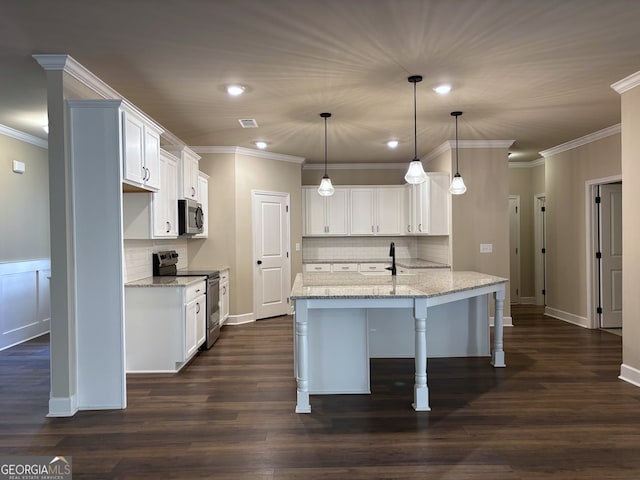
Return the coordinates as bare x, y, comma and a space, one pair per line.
435, 249
137, 256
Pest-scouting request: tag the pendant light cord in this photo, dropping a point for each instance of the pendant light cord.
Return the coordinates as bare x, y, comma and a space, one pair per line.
415, 124
325, 146
457, 168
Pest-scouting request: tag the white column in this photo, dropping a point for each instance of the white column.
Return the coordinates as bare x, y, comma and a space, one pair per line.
302, 357
497, 356
420, 389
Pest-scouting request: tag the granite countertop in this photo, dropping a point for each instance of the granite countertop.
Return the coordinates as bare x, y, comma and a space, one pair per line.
167, 281
400, 262
362, 285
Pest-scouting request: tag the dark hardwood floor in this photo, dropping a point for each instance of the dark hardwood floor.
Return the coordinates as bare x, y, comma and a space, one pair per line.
558, 411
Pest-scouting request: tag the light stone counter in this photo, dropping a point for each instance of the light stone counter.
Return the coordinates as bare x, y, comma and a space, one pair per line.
383, 285
167, 281
343, 319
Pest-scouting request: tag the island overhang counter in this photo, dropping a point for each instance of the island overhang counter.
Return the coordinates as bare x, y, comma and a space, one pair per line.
331, 344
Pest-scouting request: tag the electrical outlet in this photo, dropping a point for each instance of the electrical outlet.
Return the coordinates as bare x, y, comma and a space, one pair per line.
297, 247
486, 248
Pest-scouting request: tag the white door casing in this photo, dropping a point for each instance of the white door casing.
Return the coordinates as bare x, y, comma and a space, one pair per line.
611, 251
272, 265
539, 246
514, 247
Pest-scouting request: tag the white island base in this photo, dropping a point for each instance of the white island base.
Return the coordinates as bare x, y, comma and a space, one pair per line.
336, 337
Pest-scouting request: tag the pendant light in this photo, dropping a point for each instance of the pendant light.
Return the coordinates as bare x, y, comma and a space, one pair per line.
415, 173
457, 184
325, 189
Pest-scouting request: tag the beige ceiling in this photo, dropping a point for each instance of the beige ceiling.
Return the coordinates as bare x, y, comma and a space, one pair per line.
534, 71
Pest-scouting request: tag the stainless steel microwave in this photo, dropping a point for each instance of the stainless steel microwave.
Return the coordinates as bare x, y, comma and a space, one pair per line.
190, 217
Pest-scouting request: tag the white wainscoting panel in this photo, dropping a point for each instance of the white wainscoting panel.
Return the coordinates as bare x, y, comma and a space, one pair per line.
24, 301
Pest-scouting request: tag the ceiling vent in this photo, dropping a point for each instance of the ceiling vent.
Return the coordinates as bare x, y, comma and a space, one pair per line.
248, 123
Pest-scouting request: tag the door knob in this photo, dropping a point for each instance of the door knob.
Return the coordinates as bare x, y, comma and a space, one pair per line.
259, 262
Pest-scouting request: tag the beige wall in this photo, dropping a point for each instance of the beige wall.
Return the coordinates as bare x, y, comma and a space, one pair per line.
565, 177
232, 178
631, 230
369, 176
481, 214
24, 221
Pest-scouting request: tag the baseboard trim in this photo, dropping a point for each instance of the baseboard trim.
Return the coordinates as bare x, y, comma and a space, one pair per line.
63, 406
240, 319
506, 321
567, 317
630, 375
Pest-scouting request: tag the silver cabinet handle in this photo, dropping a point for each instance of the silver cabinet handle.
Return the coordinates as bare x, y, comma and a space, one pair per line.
409, 228
378, 227
198, 306
168, 227
148, 174
419, 227
224, 290
371, 228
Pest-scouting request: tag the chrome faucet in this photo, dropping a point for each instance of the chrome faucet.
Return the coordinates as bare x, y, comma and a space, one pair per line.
392, 254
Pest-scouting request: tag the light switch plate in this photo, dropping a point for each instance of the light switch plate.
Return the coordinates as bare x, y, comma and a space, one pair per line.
486, 248
18, 167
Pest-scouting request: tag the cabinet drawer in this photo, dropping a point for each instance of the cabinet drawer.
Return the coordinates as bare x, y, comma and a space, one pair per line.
344, 267
192, 291
317, 267
373, 267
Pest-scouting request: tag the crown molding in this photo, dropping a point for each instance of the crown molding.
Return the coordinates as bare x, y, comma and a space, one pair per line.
70, 66
250, 153
627, 83
532, 164
357, 166
451, 144
578, 142
23, 137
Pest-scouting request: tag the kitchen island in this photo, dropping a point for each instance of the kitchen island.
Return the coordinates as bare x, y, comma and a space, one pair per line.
333, 312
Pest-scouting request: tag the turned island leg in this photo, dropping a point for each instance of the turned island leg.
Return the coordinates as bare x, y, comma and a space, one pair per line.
497, 356
302, 358
420, 389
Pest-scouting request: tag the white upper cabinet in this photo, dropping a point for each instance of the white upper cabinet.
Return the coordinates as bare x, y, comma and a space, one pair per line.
326, 215
188, 169
141, 151
165, 202
377, 211
428, 206
203, 200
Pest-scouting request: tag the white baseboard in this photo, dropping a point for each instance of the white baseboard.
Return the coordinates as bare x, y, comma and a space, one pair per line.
567, 317
62, 406
506, 321
630, 375
240, 319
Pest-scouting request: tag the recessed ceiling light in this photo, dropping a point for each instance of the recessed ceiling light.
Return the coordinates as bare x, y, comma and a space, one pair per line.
261, 145
235, 90
443, 89
392, 143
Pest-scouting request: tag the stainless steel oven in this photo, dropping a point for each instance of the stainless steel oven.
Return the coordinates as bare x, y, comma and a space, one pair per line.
165, 264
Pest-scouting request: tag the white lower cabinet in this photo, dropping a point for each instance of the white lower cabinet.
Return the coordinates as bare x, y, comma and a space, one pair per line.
164, 326
224, 296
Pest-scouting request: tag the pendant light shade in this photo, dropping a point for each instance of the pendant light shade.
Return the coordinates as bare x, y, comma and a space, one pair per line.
325, 189
457, 184
415, 173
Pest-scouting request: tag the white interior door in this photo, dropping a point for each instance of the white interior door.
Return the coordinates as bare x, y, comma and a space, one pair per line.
611, 250
514, 248
271, 254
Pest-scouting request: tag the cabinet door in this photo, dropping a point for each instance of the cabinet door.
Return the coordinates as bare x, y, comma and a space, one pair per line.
224, 301
190, 322
190, 169
133, 149
421, 207
152, 177
201, 320
337, 212
390, 211
362, 206
165, 201
203, 199
314, 208
439, 199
